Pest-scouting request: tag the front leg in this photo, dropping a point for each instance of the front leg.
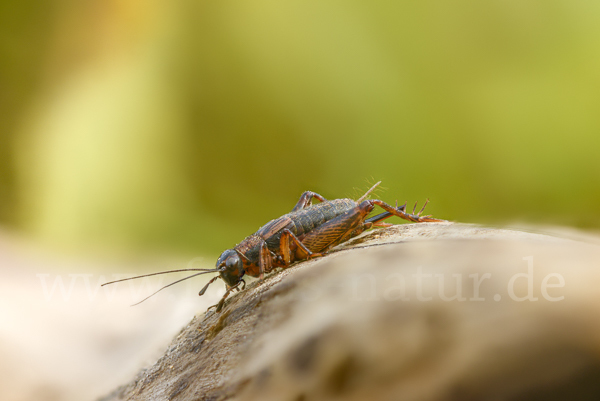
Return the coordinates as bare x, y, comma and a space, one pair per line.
219, 306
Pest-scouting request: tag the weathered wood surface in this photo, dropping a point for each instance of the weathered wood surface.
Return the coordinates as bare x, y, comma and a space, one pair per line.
359, 324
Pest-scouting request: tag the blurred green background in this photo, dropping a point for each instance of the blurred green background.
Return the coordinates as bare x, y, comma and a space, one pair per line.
185, 125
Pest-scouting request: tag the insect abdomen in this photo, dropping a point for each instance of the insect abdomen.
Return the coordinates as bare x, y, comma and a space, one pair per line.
306, 220
299, 223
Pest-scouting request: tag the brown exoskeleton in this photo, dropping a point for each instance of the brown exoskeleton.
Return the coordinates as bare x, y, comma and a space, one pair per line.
307, 232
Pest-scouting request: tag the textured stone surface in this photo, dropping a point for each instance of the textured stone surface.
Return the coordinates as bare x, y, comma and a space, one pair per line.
372, 321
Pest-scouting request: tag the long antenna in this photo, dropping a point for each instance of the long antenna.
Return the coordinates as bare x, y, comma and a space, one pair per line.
202, 271
175, 282
367, 193
165, 272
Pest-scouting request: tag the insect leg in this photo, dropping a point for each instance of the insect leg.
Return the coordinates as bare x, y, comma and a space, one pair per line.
306, 200
219, 305
400, 212
222, 301
375, 221
265, 261
287, 238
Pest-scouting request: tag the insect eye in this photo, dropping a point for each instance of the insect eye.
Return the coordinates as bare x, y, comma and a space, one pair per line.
233, 261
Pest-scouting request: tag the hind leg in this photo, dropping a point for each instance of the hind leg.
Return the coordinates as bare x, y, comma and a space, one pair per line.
377, 220
400, 212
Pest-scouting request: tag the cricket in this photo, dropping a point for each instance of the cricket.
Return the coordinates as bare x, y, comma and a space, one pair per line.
308, 231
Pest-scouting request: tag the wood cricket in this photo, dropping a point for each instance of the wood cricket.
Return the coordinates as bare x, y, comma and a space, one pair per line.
307, 232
